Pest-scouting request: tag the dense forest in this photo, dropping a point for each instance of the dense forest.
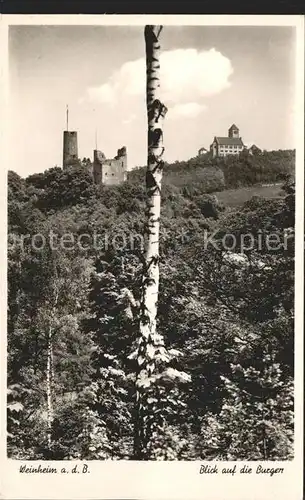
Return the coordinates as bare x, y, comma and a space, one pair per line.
225, 311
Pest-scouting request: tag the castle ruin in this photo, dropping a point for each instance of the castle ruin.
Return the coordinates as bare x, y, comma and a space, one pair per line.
105, 171
110, 171
70, 149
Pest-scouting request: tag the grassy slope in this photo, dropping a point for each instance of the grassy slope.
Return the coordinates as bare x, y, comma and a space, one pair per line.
235, 197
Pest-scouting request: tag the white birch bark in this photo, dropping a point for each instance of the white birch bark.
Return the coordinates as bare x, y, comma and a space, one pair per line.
49, 387
50, 364
150, 344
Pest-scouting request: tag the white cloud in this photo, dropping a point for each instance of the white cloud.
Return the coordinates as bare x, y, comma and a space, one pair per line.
187, 110
186, 76
187, 73
105, 93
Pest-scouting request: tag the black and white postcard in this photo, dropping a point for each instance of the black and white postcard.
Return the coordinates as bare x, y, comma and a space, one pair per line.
152, 261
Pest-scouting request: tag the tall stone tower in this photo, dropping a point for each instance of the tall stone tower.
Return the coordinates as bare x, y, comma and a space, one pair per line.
70, 150
233, 131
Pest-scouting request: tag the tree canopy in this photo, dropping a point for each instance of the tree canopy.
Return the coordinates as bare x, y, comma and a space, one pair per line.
226, 315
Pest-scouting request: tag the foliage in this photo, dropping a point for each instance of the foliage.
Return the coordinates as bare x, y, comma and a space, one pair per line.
226, 316
204, 174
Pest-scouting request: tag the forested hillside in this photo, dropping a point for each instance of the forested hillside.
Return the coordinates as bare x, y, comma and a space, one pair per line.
215, 174
226, 312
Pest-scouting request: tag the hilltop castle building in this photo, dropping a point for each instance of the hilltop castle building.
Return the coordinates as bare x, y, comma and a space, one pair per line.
104, 171
202, 151
231, 145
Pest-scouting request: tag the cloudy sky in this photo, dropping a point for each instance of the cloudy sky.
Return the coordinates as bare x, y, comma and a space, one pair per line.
211, 77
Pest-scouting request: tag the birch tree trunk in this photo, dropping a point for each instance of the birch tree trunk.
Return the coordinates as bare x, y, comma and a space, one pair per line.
49, 387
150, 344
50, 361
